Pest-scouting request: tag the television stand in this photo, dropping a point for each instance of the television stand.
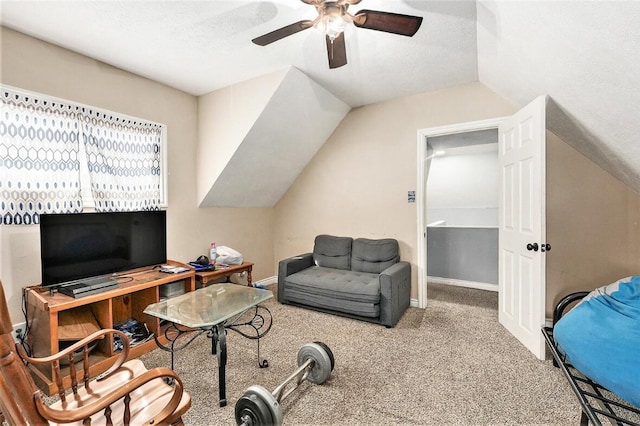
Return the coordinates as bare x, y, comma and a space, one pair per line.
58, 319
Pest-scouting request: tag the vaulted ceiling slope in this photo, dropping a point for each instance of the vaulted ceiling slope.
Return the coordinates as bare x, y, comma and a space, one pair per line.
268, 150
583, 54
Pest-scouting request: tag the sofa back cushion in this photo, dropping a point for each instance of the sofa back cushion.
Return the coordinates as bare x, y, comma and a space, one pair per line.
332, 252
374, 255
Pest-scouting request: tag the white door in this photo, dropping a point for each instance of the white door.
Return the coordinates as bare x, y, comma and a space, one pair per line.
521, 262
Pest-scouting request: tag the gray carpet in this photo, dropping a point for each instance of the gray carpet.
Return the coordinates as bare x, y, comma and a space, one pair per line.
451, 364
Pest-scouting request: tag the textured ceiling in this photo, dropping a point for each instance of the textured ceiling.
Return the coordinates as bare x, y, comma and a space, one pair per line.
583, 54
201, 46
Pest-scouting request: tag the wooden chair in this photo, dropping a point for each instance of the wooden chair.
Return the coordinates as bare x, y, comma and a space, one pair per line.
126, 393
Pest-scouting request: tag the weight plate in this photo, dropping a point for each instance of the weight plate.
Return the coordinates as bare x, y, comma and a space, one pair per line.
328, 351
268, 400
322, 362
252, 411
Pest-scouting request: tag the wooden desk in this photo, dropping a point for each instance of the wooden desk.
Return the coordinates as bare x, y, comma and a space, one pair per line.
205, 276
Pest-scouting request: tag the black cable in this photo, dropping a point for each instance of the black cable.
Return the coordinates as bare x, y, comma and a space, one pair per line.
22, 338
129, 279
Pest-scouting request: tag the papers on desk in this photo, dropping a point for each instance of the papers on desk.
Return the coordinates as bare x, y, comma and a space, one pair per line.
169, 269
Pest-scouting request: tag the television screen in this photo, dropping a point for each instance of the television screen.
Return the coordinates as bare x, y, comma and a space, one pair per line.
82, 245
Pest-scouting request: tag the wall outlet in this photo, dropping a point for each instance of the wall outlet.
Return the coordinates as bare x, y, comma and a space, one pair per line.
18, 330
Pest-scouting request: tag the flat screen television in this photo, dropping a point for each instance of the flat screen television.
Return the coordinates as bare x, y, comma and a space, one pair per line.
82, 245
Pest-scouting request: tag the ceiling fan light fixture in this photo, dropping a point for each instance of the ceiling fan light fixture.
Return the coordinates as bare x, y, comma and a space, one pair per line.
333, 27
333, 20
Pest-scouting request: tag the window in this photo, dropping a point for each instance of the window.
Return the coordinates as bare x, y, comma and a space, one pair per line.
57, 156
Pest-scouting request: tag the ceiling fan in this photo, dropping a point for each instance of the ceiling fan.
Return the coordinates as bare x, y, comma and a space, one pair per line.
332, 19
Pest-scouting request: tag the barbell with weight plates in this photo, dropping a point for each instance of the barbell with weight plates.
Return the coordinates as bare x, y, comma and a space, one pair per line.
258, 406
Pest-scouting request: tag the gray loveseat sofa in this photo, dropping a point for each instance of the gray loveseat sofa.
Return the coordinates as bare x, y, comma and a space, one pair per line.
358, 278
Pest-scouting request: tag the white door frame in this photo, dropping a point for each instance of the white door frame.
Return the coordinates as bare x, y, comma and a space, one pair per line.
423, 135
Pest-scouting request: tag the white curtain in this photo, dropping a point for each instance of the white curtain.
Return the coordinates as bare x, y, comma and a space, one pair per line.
124, 161
39, 167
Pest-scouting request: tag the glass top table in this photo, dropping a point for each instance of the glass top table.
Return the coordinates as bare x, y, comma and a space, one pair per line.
208, 306
213, 310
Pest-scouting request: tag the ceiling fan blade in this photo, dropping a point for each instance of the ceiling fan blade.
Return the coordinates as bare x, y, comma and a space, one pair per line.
394, 23
283, 32
336, 51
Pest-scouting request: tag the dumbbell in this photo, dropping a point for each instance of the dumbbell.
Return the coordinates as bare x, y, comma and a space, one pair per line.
258, 406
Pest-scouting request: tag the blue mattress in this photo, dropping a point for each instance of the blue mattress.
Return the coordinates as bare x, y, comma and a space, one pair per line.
601, 337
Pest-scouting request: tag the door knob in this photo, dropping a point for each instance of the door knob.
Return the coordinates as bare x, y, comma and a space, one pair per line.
545, 247
533, 246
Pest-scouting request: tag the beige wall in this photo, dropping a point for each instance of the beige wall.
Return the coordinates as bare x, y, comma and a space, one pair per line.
357, 183
37, 66
592, 224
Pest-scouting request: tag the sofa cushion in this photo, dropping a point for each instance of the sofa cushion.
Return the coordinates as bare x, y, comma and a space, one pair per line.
374, 256
337, 283
332, 252
356, 293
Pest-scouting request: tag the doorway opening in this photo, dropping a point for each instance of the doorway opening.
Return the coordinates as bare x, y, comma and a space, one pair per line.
462, 209
457, 201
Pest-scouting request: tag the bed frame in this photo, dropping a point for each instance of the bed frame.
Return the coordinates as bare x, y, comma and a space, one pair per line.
598, 404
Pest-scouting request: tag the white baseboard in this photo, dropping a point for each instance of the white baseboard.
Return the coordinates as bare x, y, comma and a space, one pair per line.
266, 282
463, 283
414, 303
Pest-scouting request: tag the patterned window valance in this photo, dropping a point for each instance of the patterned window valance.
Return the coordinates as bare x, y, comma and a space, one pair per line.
41, 140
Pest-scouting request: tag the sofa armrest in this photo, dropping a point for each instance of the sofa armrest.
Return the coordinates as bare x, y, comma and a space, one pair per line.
395, 292
290, 266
